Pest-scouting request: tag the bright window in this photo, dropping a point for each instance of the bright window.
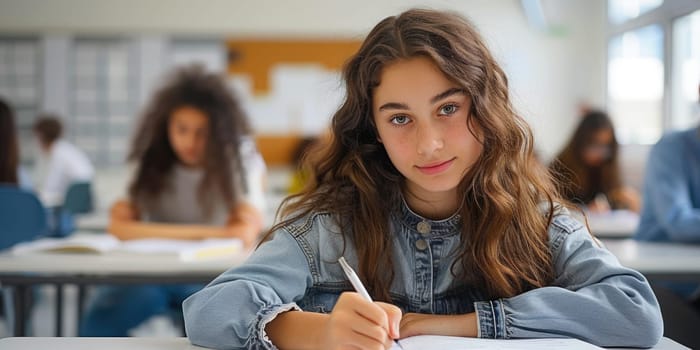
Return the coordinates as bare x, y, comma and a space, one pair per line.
623, 10
102, 96
685, 107
636, 84
20, 86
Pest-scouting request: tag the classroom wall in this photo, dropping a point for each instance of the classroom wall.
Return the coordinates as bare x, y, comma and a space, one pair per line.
551, 68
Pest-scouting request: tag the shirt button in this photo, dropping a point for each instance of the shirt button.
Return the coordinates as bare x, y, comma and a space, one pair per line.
423, 227
421, 244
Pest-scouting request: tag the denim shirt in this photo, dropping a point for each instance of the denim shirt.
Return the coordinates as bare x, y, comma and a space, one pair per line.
592, 297
671, 210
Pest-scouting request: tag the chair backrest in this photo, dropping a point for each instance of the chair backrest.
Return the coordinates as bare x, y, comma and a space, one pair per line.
22, 217
78, 198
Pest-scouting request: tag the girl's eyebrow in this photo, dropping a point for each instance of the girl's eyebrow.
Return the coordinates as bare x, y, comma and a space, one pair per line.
393, 105
447, 93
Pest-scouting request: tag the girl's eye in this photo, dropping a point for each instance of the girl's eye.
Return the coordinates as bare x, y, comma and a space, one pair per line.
448, 109
399, 120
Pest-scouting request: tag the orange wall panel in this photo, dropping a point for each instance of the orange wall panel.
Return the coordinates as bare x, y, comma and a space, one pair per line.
278, 149
256, 57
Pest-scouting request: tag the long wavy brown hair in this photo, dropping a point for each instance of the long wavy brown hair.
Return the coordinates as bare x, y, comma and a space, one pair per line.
577, 181
190, 86
503, 232
9, 156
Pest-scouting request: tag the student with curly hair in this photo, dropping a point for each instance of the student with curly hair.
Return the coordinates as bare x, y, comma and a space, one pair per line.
429, 190
198, 175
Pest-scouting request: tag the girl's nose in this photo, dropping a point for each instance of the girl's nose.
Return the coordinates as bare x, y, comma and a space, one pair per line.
428, 140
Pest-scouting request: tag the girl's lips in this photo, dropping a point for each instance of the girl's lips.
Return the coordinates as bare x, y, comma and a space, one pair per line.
435, 167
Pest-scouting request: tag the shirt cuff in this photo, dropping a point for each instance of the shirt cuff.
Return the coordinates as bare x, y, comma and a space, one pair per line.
491, 320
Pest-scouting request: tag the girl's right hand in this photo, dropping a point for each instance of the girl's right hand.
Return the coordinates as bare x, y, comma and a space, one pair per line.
599, 205
628, 198
356, 323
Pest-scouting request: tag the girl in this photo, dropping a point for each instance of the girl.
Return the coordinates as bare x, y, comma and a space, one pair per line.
588, 171
198, 176
59, 164
430, 191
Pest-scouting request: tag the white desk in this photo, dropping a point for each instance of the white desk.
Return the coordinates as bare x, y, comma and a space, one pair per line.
24, 271
158, 344
667, 261
76, 343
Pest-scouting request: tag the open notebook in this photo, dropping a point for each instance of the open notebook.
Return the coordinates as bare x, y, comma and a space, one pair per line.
430, 342
185, 250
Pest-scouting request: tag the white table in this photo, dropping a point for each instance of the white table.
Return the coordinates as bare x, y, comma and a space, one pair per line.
157, 344
24, 271
662, 261
667, 261
77, 343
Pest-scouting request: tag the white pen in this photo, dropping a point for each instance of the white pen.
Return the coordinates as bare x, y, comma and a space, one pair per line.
357, 284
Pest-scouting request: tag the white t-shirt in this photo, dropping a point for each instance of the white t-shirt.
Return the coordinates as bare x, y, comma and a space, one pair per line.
64, 165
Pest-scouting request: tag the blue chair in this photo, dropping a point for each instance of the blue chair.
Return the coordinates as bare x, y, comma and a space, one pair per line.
78, 200
22, 217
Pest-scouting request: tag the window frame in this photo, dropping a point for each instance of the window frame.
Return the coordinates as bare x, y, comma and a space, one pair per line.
664, 15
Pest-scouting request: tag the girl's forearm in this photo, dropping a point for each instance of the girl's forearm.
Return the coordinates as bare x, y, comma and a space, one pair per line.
297, 330
463, 325
245, 222
126, 230
452, 325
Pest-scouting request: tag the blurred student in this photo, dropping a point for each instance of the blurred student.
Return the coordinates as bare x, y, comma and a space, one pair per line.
671, 210
12, 175
587, 169
59, 164
197, 176
671, 213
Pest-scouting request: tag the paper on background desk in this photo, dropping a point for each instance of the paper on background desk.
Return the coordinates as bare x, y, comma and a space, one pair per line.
434, 342
186, 250
616, 223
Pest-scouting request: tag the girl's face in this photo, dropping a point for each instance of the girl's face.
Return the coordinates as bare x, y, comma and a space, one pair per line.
599, 149
421, 119
188, 130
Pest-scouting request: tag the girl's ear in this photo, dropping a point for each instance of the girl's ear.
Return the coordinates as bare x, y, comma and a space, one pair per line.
379, 139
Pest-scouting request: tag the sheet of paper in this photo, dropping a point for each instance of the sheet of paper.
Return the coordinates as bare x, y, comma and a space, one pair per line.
428, 342
186, 249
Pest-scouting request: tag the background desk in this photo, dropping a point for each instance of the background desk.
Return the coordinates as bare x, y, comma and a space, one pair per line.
658, 261
615, 224
156, 344
24, 271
